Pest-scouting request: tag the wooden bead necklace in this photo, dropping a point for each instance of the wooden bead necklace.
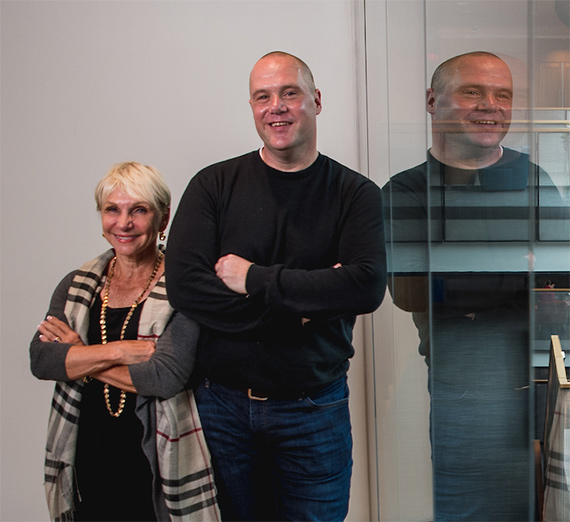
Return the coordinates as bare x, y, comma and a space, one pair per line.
103, 323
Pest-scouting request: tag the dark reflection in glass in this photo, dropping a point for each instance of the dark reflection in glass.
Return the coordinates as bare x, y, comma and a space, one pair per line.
459, 228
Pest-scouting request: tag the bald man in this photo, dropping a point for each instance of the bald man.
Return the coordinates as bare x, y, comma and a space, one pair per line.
274, 253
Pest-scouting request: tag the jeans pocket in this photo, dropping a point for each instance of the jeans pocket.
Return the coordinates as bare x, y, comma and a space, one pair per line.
200, 388
442, 393
334, 395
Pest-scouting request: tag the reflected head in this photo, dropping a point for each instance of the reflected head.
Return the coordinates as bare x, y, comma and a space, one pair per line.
445, 71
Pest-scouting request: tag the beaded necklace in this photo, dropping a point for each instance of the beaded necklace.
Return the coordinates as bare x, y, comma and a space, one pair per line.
102, 322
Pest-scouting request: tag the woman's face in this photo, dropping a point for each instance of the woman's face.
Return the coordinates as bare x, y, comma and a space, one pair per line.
129, 225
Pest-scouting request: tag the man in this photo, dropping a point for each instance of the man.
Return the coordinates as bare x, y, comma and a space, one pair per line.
460, 224
274, 253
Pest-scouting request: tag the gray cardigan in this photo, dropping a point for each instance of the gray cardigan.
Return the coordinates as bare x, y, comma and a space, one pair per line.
164, 375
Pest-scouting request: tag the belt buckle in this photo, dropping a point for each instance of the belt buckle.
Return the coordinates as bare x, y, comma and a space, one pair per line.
255, 397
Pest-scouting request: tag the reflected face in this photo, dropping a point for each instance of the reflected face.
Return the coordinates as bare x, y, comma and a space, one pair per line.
284, 104
472, 103
130, 226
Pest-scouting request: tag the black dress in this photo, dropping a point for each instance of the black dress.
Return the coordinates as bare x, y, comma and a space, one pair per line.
114, 476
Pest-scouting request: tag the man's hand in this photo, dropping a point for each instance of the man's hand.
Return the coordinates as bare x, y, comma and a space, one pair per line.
232, 270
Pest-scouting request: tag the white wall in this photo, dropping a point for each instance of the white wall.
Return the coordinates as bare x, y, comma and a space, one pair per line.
85, 84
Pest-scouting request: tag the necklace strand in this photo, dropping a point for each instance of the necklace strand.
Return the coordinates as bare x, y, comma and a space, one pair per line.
103, 324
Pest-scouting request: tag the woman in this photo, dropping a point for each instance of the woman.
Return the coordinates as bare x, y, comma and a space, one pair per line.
108, 339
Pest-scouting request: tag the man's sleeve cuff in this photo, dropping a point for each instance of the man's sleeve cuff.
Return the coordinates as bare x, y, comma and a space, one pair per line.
255, 280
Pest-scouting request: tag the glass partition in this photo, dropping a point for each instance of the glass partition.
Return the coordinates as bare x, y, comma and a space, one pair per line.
476, 139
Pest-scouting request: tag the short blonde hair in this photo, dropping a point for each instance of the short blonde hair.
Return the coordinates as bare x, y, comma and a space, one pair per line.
137, 180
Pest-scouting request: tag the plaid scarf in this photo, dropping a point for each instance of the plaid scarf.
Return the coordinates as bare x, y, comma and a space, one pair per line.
183, 459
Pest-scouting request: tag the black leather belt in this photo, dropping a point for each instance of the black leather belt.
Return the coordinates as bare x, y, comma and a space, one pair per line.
279, 395
258, 394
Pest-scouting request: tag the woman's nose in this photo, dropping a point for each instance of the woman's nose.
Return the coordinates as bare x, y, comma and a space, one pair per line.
125, 221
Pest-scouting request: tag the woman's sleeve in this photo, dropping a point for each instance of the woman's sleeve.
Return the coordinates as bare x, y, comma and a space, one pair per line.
168, 371
47, 360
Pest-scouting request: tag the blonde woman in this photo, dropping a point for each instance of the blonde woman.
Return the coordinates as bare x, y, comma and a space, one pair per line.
108, 340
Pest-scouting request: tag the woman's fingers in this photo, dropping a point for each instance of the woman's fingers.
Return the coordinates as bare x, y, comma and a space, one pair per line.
53, 330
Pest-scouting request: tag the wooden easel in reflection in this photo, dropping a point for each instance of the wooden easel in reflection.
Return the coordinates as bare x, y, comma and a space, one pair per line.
553, 484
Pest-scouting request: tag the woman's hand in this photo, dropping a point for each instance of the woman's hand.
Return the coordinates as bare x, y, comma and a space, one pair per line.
133, 352
52, 330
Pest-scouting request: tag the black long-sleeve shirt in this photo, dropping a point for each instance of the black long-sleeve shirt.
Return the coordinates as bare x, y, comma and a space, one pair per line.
512, 202
294, 227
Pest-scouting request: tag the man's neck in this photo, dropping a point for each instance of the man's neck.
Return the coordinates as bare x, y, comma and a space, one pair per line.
468, 161
287, 162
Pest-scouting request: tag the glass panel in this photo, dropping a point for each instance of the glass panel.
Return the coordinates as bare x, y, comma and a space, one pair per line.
477, 237
550, 300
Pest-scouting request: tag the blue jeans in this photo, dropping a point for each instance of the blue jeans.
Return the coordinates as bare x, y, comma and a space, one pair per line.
481, 418
279, 459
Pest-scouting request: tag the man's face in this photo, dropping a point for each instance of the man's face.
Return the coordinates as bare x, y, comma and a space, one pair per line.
471, 106
284, 105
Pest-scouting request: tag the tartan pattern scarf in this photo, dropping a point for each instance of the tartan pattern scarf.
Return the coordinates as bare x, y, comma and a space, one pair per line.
183, 458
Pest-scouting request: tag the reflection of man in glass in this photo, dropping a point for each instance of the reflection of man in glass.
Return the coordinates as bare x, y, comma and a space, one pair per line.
470, 102
464, 210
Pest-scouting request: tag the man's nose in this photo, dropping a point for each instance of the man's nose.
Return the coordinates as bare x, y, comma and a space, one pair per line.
489, 102
277, 104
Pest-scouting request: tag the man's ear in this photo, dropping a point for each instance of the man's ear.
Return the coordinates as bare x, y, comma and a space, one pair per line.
430, 100
318, 101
